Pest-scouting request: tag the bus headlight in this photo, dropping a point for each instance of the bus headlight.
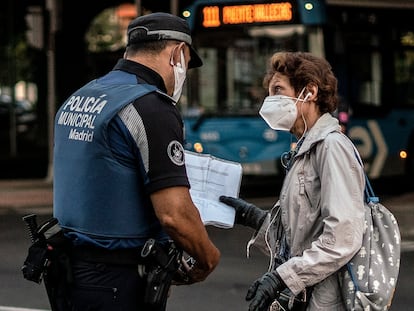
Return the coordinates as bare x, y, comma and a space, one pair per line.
198, 147
403, 154
308, 6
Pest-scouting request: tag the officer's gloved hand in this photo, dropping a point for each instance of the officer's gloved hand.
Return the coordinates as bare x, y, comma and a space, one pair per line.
247, 214
264, 291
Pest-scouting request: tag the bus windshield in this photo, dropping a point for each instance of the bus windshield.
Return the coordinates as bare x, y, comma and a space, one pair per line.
230, 81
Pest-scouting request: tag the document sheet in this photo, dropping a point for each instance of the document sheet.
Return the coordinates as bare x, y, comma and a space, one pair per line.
211, 177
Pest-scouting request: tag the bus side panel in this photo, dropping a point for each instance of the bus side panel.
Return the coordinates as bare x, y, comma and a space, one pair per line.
381, 142
240, 139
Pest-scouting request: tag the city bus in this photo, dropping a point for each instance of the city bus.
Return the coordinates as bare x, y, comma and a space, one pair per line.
370, 45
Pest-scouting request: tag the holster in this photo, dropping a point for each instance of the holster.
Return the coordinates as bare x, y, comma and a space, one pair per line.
287, 301
162, 263
48, 261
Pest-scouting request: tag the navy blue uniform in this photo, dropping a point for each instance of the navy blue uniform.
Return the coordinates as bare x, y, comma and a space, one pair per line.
115, 144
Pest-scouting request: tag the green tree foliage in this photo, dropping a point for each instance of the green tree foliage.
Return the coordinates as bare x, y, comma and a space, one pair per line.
104, 33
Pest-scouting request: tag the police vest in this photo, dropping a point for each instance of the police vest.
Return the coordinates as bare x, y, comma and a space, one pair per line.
93, 193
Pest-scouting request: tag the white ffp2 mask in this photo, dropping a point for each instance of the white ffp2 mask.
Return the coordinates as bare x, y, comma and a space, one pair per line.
180, 75
280, 111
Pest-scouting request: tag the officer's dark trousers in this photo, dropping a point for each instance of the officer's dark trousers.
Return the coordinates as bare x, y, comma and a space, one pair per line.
108, 287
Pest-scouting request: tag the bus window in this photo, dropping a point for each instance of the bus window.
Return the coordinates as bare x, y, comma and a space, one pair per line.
207, 96
404, 70
230, 82
366, 81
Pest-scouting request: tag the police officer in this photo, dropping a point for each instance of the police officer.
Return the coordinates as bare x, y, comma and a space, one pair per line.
119, 173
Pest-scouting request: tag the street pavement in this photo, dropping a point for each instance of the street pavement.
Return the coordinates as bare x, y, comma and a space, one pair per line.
226, 286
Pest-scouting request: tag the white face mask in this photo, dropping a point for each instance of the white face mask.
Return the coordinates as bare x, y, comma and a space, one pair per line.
280, 111
179, 76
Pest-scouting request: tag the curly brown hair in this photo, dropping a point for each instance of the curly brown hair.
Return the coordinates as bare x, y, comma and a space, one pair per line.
304, 68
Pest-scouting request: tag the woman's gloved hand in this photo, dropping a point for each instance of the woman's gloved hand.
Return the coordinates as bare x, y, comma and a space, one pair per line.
264, 291
247, 214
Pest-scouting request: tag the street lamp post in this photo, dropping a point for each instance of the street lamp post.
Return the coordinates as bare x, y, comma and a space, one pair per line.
174, 7
51, 82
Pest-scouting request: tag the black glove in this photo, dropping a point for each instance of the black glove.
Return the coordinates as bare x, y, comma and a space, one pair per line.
264, 291
247, 214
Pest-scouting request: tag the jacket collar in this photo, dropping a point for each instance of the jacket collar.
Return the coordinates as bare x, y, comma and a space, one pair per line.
144, 74
325, 125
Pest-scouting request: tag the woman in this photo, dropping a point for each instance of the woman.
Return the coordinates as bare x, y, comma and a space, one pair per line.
316, 226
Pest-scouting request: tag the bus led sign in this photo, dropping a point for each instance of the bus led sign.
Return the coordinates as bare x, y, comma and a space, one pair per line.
215, 16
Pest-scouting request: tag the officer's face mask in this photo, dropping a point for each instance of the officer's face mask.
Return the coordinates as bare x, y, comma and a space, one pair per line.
280, 111
180, 74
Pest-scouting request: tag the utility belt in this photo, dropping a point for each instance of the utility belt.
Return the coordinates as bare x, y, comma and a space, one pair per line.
129, 256
50, 255
161, 263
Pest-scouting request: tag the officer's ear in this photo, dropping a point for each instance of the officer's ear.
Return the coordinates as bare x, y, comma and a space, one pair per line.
176, 54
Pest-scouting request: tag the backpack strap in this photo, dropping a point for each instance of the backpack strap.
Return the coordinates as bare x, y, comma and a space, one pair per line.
369, 197
369, 191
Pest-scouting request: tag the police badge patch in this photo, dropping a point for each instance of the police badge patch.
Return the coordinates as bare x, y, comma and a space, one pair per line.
176, 152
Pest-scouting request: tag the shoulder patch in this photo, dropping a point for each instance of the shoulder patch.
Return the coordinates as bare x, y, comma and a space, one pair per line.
175, 152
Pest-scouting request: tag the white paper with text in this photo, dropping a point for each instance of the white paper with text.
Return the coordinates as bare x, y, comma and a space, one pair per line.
211, 177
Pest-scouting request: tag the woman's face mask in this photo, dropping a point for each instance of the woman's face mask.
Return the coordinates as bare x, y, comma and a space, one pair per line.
280, 111
180, 74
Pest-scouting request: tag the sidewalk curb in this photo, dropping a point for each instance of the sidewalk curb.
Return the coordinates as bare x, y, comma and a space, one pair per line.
26, 194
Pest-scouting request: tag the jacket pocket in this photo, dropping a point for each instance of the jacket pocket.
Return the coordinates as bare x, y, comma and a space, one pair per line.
326, 295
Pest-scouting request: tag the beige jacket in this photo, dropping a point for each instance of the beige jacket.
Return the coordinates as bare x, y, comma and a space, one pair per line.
321, 213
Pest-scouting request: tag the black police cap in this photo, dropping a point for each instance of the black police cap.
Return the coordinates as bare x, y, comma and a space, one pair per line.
162, 26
